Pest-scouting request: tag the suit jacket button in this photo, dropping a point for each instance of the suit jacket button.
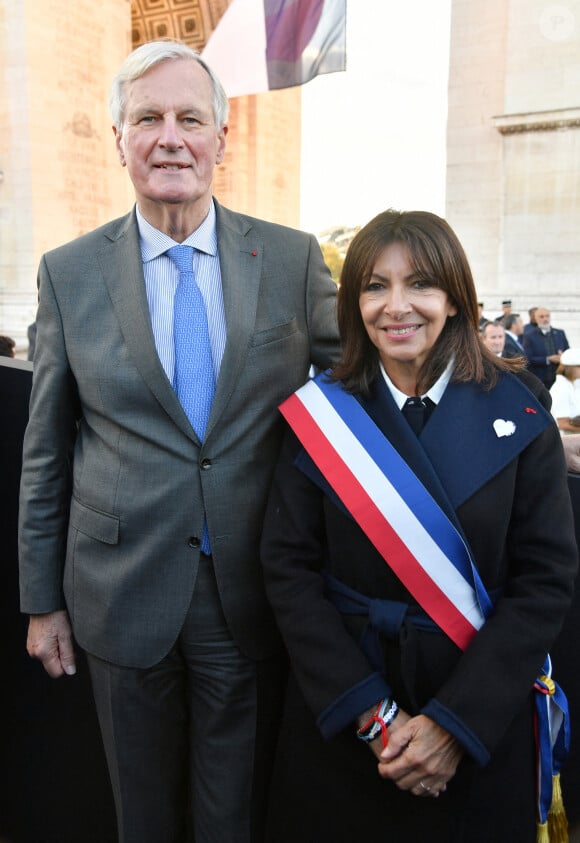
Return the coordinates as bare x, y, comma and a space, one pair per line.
205, 464
193, 541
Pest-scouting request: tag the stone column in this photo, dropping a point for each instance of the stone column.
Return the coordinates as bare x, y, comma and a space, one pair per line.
513, 166
474, 148
59, 173
260, 175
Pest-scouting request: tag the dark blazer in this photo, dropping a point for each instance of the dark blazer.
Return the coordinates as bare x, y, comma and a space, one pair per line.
511, 348
521, 535
120, 522
534, 343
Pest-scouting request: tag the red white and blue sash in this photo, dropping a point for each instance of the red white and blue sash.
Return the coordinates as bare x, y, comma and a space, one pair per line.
416, 539
391, 505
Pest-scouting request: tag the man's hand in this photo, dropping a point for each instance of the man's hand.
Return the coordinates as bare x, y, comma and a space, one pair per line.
50, 640
571, 444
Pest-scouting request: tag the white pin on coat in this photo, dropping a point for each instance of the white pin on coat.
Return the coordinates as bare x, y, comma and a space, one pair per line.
503, 427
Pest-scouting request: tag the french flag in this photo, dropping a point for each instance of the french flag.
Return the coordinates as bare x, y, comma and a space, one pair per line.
263, 45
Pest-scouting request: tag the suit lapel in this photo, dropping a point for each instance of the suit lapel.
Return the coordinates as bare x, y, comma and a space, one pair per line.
473, 434
121, 267
466, 441
241, 255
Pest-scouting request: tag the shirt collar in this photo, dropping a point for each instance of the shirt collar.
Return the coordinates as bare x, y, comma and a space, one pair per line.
154, 242
435, 393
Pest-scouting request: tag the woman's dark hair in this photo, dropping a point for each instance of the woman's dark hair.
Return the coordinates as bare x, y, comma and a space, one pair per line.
434, 251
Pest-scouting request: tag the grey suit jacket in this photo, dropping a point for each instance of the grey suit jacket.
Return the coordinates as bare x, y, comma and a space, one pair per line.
115, 482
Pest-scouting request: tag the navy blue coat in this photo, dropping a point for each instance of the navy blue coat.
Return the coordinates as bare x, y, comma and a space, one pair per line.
511, 348
534, 343
521, 535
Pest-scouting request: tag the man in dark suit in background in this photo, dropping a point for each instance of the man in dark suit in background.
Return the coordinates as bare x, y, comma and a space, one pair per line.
532, 324
543, 347
514, 328
147, 540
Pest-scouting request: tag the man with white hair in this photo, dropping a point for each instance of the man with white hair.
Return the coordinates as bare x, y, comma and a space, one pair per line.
543, 347
165, 342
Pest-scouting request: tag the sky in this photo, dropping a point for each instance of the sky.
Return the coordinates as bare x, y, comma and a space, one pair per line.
373, 137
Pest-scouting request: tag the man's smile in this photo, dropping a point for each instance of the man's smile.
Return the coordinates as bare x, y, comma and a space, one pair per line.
174, 166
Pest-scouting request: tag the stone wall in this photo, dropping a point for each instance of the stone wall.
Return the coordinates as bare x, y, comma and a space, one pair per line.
513, 169
60, 173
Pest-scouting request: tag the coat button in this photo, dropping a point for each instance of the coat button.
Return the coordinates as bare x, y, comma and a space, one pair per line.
193, 541
205, 464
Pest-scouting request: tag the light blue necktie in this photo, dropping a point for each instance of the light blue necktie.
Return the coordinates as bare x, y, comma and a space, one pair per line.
193, 379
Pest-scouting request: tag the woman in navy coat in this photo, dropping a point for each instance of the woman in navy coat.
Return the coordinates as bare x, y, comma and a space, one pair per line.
459, 764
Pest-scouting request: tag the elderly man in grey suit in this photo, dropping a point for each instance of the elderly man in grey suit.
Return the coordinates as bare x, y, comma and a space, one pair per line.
152, 438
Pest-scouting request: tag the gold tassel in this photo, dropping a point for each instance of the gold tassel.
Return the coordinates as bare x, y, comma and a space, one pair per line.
542, 835
557, 820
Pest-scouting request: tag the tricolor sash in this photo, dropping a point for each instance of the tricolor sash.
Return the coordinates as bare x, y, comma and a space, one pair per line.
417, 540
391, 505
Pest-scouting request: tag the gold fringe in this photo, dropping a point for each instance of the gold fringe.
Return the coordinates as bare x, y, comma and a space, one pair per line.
555, 829
557, 820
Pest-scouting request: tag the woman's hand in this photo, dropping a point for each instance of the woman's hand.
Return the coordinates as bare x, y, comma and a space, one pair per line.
377, 745
420, 756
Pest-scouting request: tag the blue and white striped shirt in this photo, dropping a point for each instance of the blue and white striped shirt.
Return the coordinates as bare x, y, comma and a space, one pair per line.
162, 278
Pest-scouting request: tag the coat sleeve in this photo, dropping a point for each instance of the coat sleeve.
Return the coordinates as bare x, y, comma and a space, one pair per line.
335, 676
321, 310
46, 465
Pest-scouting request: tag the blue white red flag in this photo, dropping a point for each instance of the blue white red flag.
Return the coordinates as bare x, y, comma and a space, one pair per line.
261, 45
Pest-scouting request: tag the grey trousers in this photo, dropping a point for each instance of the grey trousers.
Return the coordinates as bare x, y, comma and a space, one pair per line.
190, 741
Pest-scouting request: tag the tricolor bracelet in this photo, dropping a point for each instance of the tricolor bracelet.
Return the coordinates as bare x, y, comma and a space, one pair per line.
385, 713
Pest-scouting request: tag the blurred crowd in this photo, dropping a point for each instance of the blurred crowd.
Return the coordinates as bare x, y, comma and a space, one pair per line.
547, 353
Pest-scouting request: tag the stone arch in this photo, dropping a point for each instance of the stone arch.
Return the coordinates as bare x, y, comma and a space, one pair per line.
190, 21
